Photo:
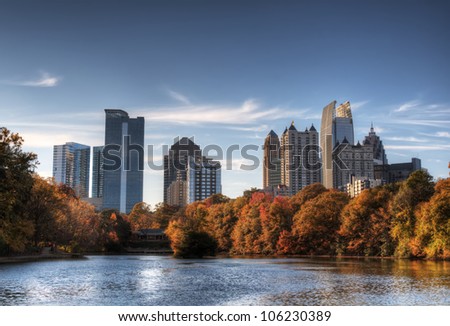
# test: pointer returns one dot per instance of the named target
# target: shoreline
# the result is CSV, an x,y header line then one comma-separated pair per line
x,y
37,258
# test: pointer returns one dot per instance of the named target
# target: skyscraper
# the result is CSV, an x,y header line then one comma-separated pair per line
x,y
379,154
71,165
337,125
97,172
123,167
272,163
300,165
189,176
176,163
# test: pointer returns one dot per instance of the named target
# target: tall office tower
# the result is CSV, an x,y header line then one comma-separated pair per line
x,y
351,161
300,165
71,165
203,179
97,172
176,162
189,176
379,155
337,125
272,162
123,166
380,162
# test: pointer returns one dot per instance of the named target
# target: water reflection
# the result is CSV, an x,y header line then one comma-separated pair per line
x,y
156,280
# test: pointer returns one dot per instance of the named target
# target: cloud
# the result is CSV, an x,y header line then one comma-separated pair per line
x,y
419,148
45,80
249,112
358,105
408,139
407,106
254,129
179,97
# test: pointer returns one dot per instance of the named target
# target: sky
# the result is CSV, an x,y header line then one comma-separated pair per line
x,y
226,73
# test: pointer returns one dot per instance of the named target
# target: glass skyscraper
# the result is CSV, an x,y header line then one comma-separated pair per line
x,y
336,128
123,166
97,172
71,164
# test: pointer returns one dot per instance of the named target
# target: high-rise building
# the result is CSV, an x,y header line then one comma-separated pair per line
x,y
123,166
203,179
97,172
351,161
189,176
379,154
71,165
337,125
272,162
300,164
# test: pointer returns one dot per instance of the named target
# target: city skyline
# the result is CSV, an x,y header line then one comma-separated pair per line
x,y
188,68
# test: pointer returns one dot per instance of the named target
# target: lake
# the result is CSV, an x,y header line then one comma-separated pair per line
x,y
163,280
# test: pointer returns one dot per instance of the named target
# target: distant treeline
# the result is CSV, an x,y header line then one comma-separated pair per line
x,y
408,219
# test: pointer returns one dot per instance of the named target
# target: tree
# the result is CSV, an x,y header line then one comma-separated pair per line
x,y
16,169
142,217
416,189
274,220
307,193
43,207
365,228
246,235
316,225
220,222
433,224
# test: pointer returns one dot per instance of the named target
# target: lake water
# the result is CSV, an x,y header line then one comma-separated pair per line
x,y
163,280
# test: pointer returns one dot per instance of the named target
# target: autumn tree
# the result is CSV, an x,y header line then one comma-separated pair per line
x,y
418,188
316,225
307,193
365,228
220,221
142,217
274,220
432,233
16,168
247,232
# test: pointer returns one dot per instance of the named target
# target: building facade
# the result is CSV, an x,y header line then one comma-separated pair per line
x,y
358,185
337,126
203,179
123,165
401,171
189,176
71,166
272,162
97,172
300,163
351,161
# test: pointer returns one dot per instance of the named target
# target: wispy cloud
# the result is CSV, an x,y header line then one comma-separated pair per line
x,y
418,147
45,80
179,97
260,128
407,139
407,106
249,112
438,134
358,105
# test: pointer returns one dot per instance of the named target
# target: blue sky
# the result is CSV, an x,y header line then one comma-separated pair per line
x,y
226,72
